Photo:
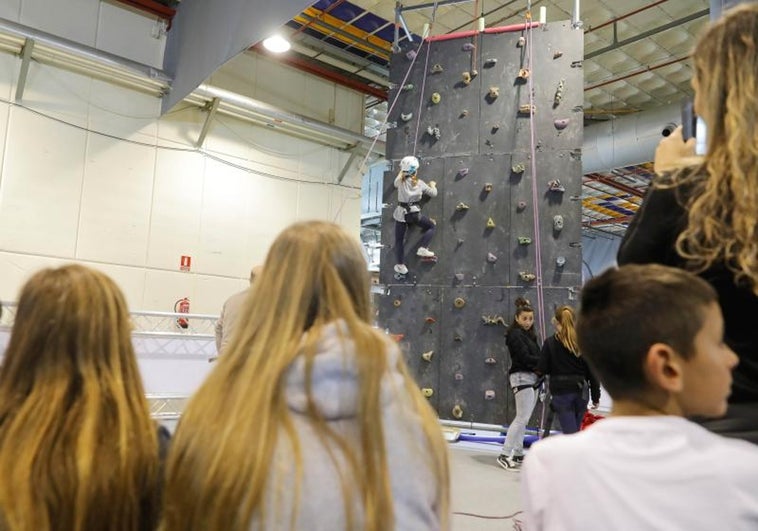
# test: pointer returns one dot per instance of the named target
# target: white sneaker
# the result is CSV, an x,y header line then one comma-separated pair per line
x,y
423,251
401,269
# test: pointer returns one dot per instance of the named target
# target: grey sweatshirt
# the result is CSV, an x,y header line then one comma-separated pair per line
x,y
336,394
408,193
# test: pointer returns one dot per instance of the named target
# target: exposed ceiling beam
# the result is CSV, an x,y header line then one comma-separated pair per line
x,y
154,8
312,67
625,15
636,73
645,34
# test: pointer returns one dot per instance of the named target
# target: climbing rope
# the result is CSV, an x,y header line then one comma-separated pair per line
x,y
383,126
423,79
535,189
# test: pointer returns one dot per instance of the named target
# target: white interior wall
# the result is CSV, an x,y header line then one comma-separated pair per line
x,y
90,174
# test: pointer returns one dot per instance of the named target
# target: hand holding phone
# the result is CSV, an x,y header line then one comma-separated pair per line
x,y
672,152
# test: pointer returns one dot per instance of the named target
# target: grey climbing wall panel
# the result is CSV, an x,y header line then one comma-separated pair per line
x,y
483,164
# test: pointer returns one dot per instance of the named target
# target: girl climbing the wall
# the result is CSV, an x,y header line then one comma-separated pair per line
x,y
525,353
410,189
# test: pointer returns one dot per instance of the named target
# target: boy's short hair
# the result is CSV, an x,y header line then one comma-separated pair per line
x,y
624,311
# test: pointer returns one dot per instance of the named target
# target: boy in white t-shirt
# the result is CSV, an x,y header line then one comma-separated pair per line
x,y
654,336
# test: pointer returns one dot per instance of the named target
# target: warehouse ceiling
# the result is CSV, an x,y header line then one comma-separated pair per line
x,y
636,58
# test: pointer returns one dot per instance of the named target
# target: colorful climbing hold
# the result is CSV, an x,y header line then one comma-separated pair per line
x,y
489,394
396,303
459,277
491,258
557,54
461,206
518,168
468,47
493,93
526,108
560,123
466,78
436,98
430,320
521,205
527,277
523,74
427,356
427,392
457,411
411,55
489,63
487,187
459,302
560,261
458,376
524,240
490,361
490,223
437,68
406,117
407,87
521,41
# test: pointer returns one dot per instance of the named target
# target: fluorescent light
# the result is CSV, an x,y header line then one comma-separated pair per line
x,y
276,44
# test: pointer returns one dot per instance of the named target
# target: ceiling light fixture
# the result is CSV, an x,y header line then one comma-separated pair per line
x,y
276,44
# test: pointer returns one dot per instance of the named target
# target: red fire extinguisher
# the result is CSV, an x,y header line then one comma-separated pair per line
x,y
182,306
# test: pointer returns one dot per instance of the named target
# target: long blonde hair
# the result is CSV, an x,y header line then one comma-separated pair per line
x,y
722,214
78,450
221,461
564,316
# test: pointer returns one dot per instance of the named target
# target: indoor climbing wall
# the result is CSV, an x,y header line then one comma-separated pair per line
x,y
464,109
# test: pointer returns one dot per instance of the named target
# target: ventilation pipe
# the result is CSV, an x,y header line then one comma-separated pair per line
x,y
627,140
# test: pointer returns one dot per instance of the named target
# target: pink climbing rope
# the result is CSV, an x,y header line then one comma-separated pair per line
x,y
421,97
535,189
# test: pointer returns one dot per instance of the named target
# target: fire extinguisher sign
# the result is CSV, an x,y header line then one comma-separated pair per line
x,y
185,263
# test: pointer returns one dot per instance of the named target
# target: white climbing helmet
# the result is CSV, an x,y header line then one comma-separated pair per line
x,y
409,164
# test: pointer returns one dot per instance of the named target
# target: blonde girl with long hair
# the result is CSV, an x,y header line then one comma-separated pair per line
x,y
570,376
78,450
310,421
703,217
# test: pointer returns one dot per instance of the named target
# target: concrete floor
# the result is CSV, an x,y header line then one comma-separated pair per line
x,y
481,487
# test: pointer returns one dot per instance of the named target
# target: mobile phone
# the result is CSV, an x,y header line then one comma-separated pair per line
x,y
689,120
693,127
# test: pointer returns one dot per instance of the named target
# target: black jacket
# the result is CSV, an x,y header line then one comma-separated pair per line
x,y
567,372
524,350
651,238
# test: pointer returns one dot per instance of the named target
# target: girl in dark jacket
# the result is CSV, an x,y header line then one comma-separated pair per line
x,y
569,373
524,350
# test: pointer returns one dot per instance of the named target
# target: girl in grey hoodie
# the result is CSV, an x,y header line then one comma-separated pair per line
x,y
310,421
